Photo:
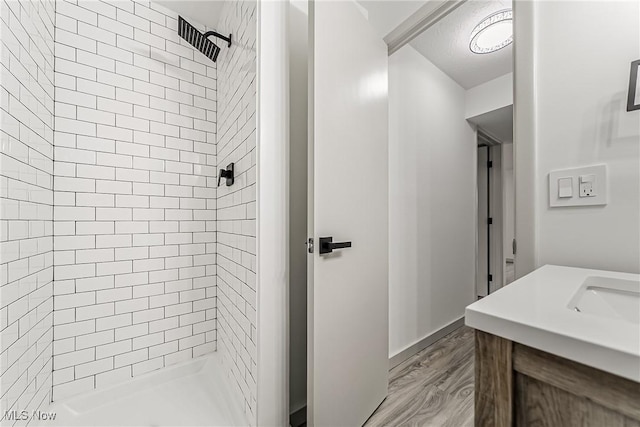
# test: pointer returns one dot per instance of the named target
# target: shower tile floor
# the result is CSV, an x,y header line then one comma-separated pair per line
x,y
194,393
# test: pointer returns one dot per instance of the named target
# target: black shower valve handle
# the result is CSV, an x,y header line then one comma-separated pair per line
x,y
227,174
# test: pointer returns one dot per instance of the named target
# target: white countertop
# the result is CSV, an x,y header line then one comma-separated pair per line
x,y
534,311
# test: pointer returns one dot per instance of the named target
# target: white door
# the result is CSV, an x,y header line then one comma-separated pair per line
x,y
348,201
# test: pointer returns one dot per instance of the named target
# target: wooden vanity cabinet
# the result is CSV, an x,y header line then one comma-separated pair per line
x,y
516,385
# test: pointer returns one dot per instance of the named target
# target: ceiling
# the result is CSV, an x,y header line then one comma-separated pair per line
x,y
497,123
446,44
198,11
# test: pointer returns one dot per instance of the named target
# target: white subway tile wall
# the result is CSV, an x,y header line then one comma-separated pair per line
x,y
236,247
26,205
135,194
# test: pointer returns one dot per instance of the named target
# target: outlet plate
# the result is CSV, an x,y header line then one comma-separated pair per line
x,y
589,186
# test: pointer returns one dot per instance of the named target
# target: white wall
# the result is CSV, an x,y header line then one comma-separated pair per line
x,y
135,158
580,118
432,152
489,96
236,205
298,78
26,204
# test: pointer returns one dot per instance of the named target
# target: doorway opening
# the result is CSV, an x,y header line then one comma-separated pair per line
x,y
495,246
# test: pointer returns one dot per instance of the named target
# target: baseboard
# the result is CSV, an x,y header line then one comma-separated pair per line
x,y
299,417
424,343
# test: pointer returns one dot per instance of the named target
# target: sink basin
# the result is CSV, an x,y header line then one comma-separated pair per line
x,y
608,297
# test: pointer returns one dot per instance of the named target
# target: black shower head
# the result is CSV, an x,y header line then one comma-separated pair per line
x,y
200,41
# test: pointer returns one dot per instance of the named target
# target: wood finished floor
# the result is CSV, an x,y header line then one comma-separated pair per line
x,y
432,388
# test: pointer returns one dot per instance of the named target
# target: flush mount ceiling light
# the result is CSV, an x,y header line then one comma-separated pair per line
x,y
493,33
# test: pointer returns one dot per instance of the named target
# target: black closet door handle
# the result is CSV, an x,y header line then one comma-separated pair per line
x,y
327,246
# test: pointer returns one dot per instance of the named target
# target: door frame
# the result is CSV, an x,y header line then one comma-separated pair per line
x,y
526,185
272,213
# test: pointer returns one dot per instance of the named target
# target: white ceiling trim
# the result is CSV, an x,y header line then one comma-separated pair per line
x,y
416,24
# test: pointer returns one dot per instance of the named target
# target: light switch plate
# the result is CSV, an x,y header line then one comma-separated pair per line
x,y
565,187
581,178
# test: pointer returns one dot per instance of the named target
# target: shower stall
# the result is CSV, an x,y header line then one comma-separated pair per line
x,y
128,290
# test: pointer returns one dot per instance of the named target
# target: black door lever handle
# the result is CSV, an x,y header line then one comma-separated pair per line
x,y
327,246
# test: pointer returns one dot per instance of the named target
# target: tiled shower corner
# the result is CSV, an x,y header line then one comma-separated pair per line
x,y
119,254
135,196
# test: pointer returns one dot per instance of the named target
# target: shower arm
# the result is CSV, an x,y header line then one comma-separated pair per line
x,y
218,35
